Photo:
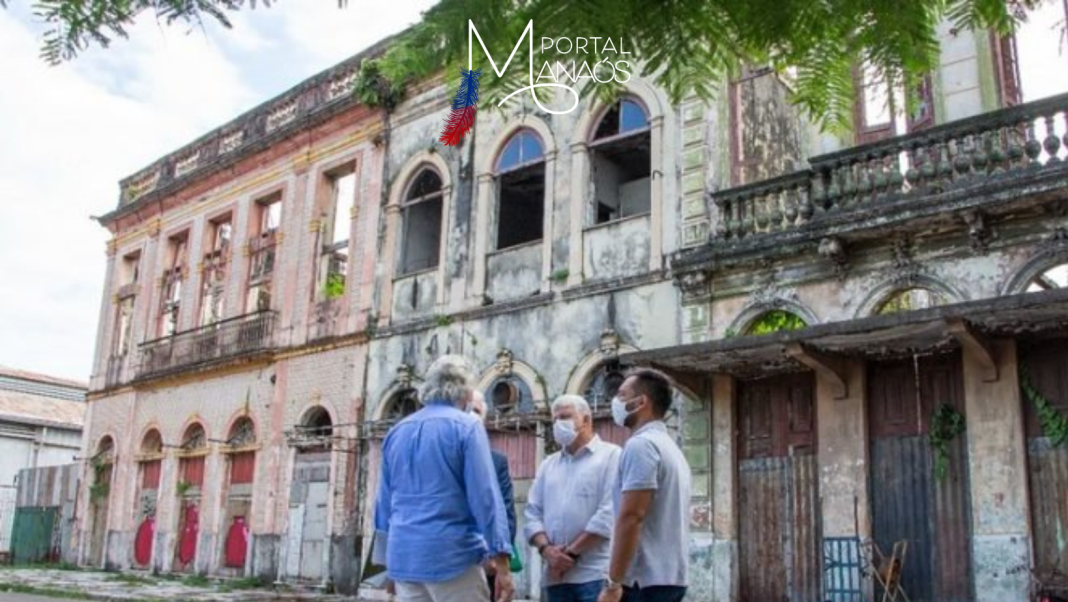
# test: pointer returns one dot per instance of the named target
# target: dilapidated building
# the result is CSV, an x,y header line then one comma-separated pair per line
x,y
825,303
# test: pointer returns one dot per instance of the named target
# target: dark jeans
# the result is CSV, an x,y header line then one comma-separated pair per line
x,y
574,592
655,593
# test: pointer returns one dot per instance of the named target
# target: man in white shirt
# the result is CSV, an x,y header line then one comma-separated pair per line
x,y
651,539
569,513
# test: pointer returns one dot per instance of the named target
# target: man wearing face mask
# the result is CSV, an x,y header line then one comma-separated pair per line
x,y
439,510
569,512
651,538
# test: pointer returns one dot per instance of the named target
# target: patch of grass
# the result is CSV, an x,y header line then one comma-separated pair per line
x,y
196,581
51,566
246,583
130,579
21,588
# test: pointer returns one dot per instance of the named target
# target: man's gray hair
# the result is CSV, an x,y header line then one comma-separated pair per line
x,y
449,378
576,402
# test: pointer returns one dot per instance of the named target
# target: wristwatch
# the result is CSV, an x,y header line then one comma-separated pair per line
x,y
611,584
541,548
573,555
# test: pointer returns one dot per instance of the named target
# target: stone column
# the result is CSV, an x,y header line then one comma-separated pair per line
x,y
656,193
484,197
997,461
696,415
547,221
724,488
580,164
842,433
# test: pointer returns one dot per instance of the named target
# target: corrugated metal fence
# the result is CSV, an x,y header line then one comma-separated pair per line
x,y
43,528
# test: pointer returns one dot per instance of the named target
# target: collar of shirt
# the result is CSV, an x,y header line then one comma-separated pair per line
x,y
591,446
655,425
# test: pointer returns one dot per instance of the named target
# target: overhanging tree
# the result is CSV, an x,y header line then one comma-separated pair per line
x,y
691,45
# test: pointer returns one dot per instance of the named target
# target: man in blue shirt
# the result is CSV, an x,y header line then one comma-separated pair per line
x,y
439,507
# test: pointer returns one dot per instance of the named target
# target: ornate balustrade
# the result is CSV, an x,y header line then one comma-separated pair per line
x,y
227,339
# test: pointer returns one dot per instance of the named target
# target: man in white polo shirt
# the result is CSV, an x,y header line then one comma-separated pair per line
x,y
650,542
569,510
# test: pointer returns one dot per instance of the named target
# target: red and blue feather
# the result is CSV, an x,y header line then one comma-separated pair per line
x,y
462,116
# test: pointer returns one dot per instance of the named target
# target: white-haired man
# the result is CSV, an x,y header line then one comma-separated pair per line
x,y
439,507
569,513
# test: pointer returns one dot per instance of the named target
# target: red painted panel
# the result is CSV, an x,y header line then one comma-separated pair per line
x,y
143,541
187,542
520,448
192,470
607,430
237,543
242,468
150,472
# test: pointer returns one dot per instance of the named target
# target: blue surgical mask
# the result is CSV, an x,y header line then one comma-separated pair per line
x,y
619,411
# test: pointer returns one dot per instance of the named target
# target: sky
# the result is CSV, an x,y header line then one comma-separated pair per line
x,y
68,134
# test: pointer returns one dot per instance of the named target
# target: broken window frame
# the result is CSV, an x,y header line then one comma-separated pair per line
x,y
900,108
409,206
598,145
171,285
333,257
262,253
521,165
215,268
126,297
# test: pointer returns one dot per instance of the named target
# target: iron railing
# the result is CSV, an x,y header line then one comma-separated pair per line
x,y
913,167
227,339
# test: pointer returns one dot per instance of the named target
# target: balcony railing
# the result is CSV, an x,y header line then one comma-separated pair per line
x,y
228,339
976,151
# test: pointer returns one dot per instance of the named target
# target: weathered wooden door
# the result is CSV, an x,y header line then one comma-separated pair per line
x,y
1047,366
778,490
909,502
309,508
100,502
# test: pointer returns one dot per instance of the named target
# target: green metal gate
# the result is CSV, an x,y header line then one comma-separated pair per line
x,y
32,535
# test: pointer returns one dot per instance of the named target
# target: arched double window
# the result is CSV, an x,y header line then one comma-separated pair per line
x,y
620,159
422,208
1049,279
520,176
775,320
910,299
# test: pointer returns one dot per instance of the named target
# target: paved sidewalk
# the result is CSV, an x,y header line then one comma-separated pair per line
x,y
137,586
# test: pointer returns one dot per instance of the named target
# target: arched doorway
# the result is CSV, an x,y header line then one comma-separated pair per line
x,y
241,452
150,466
602,387
308,537
102,467
192,455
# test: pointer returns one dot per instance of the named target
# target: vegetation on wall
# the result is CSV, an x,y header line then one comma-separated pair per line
x,y
1054,423
776,320
946,425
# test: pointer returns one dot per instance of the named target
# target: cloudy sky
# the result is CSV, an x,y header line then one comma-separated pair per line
x,y
69,133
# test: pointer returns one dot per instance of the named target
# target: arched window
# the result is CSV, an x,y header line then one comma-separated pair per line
x,y
910,299
317,422
422,222
508,395
620,162
776,320
242,433
1053,278
105,450
520,171
194,437
401,404
152,442
604,385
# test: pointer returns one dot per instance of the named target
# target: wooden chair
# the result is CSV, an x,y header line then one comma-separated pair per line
x,y
887,569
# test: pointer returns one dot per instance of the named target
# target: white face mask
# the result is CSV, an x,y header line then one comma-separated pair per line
x,y
564,432
619,411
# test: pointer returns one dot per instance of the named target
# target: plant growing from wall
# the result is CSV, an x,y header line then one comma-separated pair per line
x,y
100,488
560,276
1054,423
444,320
376,88
946,425
334,286
776,320
183,488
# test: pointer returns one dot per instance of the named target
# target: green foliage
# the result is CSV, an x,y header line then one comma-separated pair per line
x,y
1054,423
776,320
946,425
196,581
375,87
560,276
334,286
443,320
22,588
183,488
687,45
730,333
